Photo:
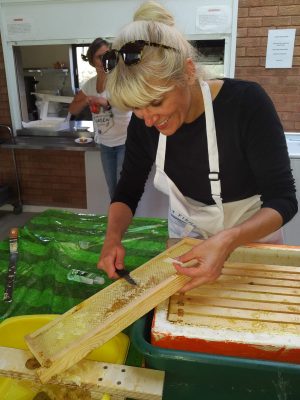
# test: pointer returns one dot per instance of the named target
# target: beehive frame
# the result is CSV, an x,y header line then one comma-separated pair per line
x,y
255,305
64,341
87,379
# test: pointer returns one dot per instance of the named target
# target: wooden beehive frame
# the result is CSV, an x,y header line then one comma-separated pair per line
x,y
88,378
267,296
70,337
256,299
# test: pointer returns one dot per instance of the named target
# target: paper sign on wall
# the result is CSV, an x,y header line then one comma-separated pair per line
x,y
19,27
214,19
280,48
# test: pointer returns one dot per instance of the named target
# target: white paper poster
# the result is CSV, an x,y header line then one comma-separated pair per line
x,y
19,28
280,49
214,19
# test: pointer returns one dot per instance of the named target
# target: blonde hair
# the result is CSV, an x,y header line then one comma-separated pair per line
x,y
159,70
153,11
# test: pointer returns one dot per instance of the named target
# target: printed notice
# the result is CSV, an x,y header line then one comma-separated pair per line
x,y
280,49
213,19
19,27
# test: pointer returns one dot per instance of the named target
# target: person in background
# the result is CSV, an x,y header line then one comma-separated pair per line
x,y
110,124
218,145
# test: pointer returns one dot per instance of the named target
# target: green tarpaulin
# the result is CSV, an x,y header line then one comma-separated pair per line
x,y
54,242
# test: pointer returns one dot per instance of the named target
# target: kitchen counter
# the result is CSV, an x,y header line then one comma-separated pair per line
x,y
61,137
51,142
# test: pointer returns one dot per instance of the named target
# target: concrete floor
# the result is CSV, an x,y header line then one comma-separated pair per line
x,y
9,220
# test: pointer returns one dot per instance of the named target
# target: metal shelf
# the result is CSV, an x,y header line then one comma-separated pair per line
x,y
47,70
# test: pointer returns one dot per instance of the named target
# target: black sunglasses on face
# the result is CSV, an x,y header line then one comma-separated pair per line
x,y
131,53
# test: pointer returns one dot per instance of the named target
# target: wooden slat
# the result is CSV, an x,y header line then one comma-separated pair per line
x,y
263,272
263,267
70,337
196,301
233,324
221,293
255,288
94,377
259,281
237,313
260,253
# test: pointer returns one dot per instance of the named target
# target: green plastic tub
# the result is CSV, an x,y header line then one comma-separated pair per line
x,y
199,376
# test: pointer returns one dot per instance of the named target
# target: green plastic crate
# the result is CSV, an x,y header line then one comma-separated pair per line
x,y
199,376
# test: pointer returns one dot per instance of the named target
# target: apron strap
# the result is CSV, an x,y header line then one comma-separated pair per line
x,y
161,151
213,153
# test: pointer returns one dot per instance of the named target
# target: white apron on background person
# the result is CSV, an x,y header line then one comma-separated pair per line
x,y
188,217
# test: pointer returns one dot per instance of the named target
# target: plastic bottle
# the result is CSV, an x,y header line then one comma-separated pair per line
x,y
85,277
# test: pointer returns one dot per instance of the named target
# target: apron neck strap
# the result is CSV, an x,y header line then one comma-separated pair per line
x,y
213,154
212,144
161,151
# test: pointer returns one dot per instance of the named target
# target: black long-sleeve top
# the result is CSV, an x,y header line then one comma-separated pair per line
x,y
252,148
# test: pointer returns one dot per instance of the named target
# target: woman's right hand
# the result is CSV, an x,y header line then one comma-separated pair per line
x,y
96,102
111,258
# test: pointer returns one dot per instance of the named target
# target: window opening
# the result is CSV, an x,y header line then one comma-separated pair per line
x,y
210,56
83,71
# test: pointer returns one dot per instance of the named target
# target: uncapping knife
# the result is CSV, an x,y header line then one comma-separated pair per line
x,y
11,273
123,273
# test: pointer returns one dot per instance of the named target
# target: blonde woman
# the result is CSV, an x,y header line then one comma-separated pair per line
x,y
218,146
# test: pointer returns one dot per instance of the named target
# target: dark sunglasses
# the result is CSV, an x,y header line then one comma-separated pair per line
x,y
131,53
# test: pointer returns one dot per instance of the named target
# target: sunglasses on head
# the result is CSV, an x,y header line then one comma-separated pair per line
x,y
131,53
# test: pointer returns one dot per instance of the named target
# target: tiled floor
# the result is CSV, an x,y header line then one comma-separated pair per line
x,y
9,220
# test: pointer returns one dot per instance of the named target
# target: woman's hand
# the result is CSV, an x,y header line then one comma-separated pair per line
x,y
213,252
96,102
111,258
211,255
113,253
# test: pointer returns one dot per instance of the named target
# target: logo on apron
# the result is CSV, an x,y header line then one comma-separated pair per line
x,y
180,217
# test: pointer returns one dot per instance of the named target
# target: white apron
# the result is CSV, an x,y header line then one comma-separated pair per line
x,y
188,217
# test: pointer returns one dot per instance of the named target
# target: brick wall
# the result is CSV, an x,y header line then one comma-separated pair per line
x,y
47,177
255,18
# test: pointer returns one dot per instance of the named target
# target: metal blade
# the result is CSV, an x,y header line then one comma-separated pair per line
x,y
10,278
12,265
123,273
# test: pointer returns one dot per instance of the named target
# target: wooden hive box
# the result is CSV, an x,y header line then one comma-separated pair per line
x,y
252,310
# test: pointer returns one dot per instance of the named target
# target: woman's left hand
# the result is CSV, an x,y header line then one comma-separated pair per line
x,y
213,252
211,255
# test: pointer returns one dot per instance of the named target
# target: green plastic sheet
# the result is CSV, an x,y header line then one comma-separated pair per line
x,y
54,242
